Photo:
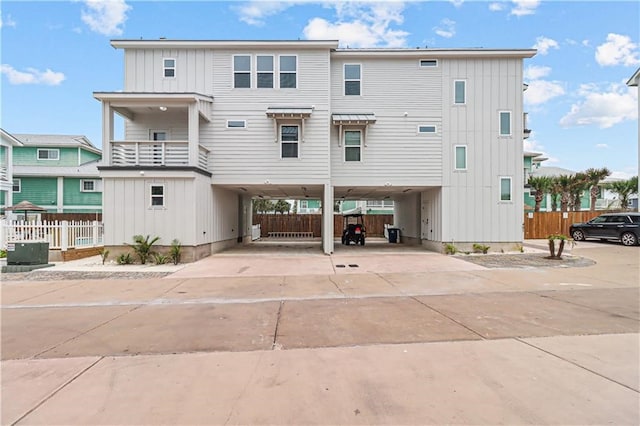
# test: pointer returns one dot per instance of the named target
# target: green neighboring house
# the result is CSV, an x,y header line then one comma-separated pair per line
x,y
57,172
367,207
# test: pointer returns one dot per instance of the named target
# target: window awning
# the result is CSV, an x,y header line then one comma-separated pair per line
x,y
289,112
361,118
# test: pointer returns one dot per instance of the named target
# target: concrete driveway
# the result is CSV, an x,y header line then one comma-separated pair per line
x,y
394,340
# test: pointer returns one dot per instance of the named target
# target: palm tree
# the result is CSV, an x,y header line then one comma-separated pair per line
x,y
563,183
554,191
541,185
578,185
624,189
594,176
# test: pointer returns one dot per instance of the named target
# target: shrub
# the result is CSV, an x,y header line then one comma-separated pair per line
x,y
142,247
3,254
552,245
104,254
480,248
175,252
124,259
450,249
160,258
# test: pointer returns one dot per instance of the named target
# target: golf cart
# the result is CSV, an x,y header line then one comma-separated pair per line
x,y
353,229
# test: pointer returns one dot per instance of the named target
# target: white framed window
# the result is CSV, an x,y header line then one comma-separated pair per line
x,y
169,67
505,123
89,185
48,154
352,145
427,128
157,194
505,188
158,135
304,204
17,185
288,71
289,140
264,66
352,79
460,157
459,92
428,63
242,71
236,124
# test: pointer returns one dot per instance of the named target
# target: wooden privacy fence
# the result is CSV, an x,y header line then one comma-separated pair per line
x,y
312,223
542,224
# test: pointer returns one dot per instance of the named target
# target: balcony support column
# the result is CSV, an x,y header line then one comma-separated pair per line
x,y
194,134
107,132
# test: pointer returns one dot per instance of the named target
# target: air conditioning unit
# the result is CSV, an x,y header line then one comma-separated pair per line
x,y
28,253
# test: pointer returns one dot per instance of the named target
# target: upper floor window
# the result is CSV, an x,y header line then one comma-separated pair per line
x,y
427,128
352,145
505,123
428,63
48,154
169,67
265,71
304,204
461,157
289,138
505,189
157,195
89,185
242,71
352,79
288,72
236,124
17,185
459,92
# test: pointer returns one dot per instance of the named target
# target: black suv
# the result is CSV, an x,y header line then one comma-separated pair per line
x,y
624,227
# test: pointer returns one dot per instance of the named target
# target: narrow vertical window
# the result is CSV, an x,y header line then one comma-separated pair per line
x,y
17,185
505,123
265,72
157,195
289,141
460,92
242,71
288,72
352,79
169,67
352,145
461,157
505,189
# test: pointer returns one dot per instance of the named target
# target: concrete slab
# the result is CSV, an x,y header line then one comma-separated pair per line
x,y
324,323
352,285
226,288
105,291
485,382
500,315
404,262
178,328
614,356
435,283
19,291
27,332
622,302
27,383
310,286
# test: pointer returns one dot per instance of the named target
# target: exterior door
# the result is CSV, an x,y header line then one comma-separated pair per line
x,y
426,227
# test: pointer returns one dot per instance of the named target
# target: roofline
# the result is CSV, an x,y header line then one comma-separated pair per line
x,y
11,138
142,96
437,53
198,44
88,146
635,79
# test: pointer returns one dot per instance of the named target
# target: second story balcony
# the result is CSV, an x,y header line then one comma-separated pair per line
x,y
169,153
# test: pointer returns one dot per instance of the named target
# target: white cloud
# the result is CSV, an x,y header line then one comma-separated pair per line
x,y
541,91
255,12
446,29
105,16
603,107
531,145
457,3
525,7
6,21
362,24
602,145
496,7
585,43
543,44
618,50
32,76
534,72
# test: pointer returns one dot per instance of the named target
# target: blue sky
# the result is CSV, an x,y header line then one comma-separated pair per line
x,y
56,54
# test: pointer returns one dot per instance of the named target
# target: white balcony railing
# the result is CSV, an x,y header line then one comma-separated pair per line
x,y
4,175
155,153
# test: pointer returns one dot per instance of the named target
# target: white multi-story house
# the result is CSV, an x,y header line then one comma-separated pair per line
x,y
7,142
210,124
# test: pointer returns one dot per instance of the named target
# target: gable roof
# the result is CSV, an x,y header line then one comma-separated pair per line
x,y
551,171
57,141
9,139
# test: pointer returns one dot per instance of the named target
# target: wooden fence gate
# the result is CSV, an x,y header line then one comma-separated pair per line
x,y
542,224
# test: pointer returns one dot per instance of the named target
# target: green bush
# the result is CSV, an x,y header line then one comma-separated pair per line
x,y
175,252
450,249
3,254
104,254
480,248
160,259
124,259
142,247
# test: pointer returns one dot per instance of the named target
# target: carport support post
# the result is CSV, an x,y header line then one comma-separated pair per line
x,y
327,219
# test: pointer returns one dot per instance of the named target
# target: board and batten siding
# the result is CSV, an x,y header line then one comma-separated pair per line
x,y
471,197
402,96
252,155
144,70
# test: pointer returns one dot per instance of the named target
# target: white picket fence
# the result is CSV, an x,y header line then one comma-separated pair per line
x,y
61,235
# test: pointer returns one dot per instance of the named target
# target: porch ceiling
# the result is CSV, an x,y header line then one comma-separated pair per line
x,y
374,192
299,192
128,104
